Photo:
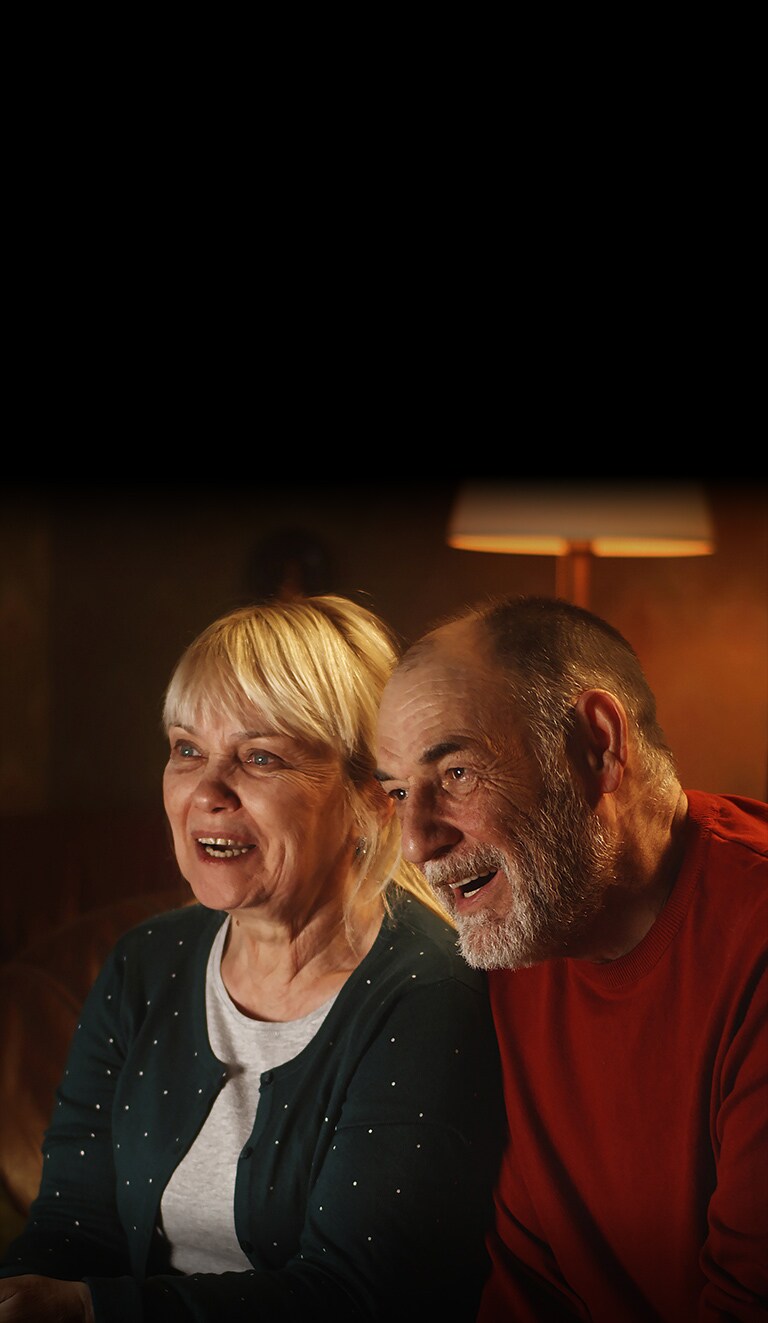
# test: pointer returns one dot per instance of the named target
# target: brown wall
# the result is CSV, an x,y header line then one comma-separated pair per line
x,y
100,589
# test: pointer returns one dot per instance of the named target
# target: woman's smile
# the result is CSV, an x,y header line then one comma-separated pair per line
x,y
221,847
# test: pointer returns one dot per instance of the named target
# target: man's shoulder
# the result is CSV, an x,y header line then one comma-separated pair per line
x,y
732,819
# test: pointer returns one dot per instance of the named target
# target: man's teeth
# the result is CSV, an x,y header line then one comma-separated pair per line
x,y
220,847
469,886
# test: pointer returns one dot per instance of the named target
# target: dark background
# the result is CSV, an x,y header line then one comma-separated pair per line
x,y
102,586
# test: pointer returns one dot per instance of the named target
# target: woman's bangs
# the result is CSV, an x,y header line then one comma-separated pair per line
x,y
206,690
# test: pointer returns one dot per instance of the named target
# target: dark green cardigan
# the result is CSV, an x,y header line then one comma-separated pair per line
x,y
365,1187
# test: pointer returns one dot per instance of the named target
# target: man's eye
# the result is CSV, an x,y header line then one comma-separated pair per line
x,y
398,793
458,780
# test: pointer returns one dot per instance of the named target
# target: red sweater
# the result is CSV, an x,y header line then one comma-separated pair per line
x,y
634,1186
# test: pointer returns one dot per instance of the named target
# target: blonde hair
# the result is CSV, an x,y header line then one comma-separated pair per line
x,y
316,667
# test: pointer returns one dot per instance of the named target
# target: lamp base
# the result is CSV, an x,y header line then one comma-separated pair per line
x,y
572,574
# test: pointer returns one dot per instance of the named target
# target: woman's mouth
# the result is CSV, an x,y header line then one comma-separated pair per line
x,y
221,847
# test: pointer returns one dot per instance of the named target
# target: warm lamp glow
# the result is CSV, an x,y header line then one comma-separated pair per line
x,y
630,519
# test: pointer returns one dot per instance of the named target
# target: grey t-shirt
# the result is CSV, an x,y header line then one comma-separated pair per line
x,y
197,1208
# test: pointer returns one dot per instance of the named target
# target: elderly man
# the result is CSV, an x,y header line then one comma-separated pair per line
x,y
624,925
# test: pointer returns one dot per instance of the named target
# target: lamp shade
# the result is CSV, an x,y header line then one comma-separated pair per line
x,y
627,519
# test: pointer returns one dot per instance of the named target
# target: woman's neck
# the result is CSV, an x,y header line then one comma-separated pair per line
x,y
274,971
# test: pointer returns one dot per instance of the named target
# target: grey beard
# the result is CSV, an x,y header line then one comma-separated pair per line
x,y
558,875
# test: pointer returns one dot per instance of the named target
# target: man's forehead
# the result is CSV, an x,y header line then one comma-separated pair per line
x,y
450,697
460,642
445,668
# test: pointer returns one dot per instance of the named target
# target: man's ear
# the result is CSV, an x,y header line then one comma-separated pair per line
x,y
599,743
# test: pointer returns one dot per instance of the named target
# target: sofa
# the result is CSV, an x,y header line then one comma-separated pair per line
x,y
71,885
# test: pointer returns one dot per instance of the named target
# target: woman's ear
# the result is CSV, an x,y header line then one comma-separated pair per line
x,y
600,741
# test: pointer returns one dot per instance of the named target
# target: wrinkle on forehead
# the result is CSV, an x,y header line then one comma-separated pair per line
x,y
445,696
455,659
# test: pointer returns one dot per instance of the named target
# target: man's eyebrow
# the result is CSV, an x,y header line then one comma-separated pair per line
x,y
438,751
431,755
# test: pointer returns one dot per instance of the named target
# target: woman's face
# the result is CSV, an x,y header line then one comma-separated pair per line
x,y
260,820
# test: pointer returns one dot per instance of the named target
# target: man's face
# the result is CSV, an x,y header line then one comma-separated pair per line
x,y
513,853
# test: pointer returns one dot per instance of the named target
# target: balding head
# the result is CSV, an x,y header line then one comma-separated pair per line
x,y
548,651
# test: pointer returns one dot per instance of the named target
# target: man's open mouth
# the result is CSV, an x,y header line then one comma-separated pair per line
x,y
471,885
221,847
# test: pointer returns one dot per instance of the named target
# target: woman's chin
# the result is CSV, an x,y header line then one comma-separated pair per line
x,y
218,893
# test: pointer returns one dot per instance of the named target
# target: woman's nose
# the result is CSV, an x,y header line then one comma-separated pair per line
x,y
214,789
426,833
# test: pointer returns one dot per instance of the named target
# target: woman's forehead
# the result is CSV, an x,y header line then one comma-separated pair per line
x,y
196,709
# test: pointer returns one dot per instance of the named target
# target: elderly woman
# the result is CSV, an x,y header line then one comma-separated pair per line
x,y
282,1101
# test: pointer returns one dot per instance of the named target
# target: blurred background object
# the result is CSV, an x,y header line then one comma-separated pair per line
x,y
101,587
575,522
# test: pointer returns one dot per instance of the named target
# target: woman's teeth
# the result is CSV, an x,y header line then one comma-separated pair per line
x,y
220,847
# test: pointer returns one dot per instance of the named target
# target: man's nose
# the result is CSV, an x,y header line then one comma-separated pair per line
x,y
426,832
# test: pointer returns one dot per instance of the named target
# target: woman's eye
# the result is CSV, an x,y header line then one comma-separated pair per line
x,y
186,750
258,758
397,794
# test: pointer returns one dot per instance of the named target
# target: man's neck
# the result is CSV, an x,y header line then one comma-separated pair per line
x,y
649,860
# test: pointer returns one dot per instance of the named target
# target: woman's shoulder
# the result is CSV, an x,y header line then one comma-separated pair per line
x,y
173,943
186,924
414,930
